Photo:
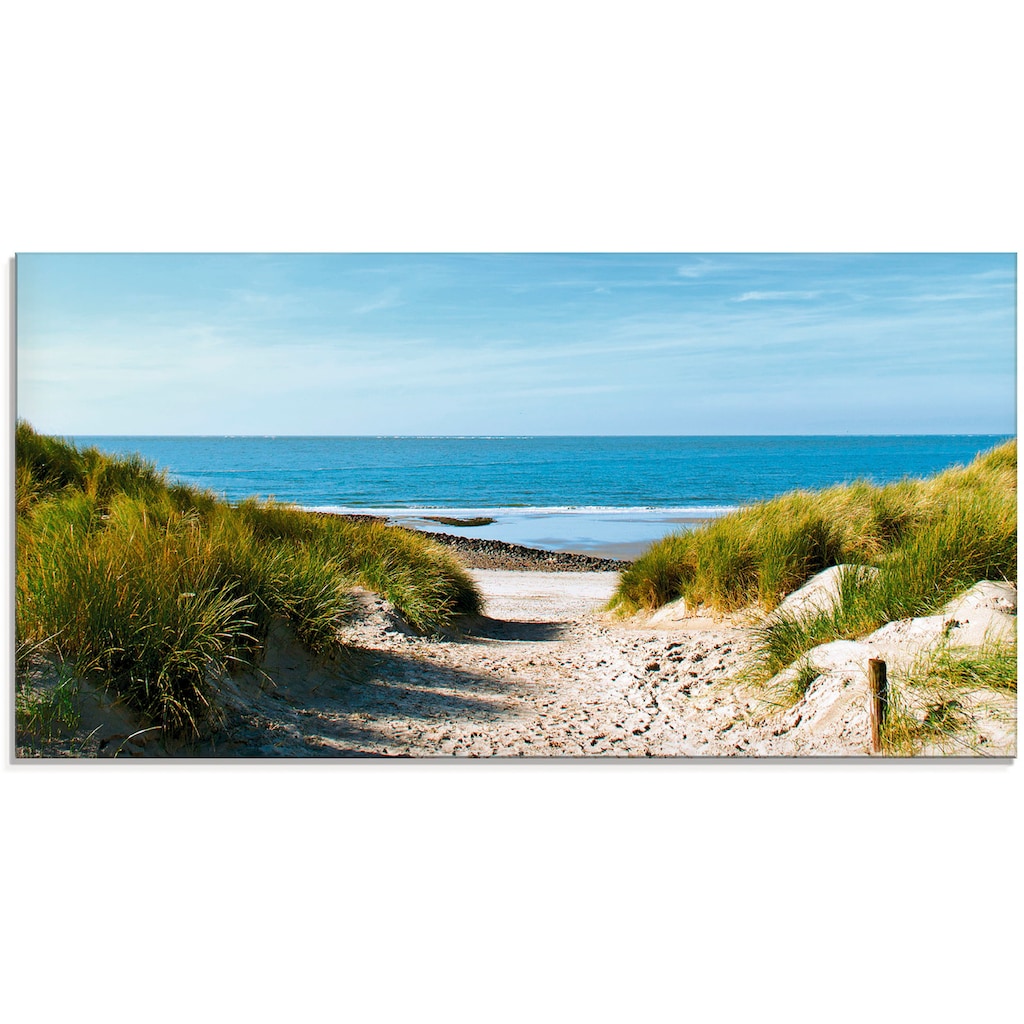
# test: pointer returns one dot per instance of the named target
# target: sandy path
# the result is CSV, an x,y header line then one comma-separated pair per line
x,y
545,674
550,597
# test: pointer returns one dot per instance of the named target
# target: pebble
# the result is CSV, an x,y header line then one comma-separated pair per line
x,y
476,553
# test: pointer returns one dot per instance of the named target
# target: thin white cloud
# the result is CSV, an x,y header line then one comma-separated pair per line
x,y
951,297
698,269
775,296
569,390
995,275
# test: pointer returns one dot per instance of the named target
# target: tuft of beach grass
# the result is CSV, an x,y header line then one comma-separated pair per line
x,y
934,704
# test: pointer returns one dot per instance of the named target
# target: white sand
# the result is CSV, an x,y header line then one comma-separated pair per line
x,y
548,596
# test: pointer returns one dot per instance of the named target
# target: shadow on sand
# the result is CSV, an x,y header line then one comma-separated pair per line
x,y
365,701
484,628
341,703
332,709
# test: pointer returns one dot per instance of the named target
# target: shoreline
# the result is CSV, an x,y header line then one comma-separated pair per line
x,y
482,553
499,554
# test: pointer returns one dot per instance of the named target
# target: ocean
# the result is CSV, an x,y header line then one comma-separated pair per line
x,y
611,495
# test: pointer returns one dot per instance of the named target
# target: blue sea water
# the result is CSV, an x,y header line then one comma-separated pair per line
x,y
615,494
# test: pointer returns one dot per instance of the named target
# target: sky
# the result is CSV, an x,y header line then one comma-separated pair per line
x,y
516,344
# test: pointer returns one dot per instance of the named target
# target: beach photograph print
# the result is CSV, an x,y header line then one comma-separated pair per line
x,y
574,506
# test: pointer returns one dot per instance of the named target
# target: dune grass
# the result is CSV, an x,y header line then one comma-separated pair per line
x,y
44,713
419,577
935,705
159,589
788,689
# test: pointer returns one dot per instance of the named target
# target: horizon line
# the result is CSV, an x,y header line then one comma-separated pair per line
x,y
519,436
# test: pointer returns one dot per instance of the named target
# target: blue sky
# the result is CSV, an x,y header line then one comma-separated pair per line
x,y
517,344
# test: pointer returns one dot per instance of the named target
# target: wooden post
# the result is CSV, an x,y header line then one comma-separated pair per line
x,y
878,688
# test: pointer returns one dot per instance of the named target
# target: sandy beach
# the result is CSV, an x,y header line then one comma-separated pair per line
x,y
548,673
545,673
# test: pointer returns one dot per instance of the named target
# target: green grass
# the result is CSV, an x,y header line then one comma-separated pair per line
x,y
941,560
131,601
864,602
934,704
424,581
789,689
46,713
158,590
